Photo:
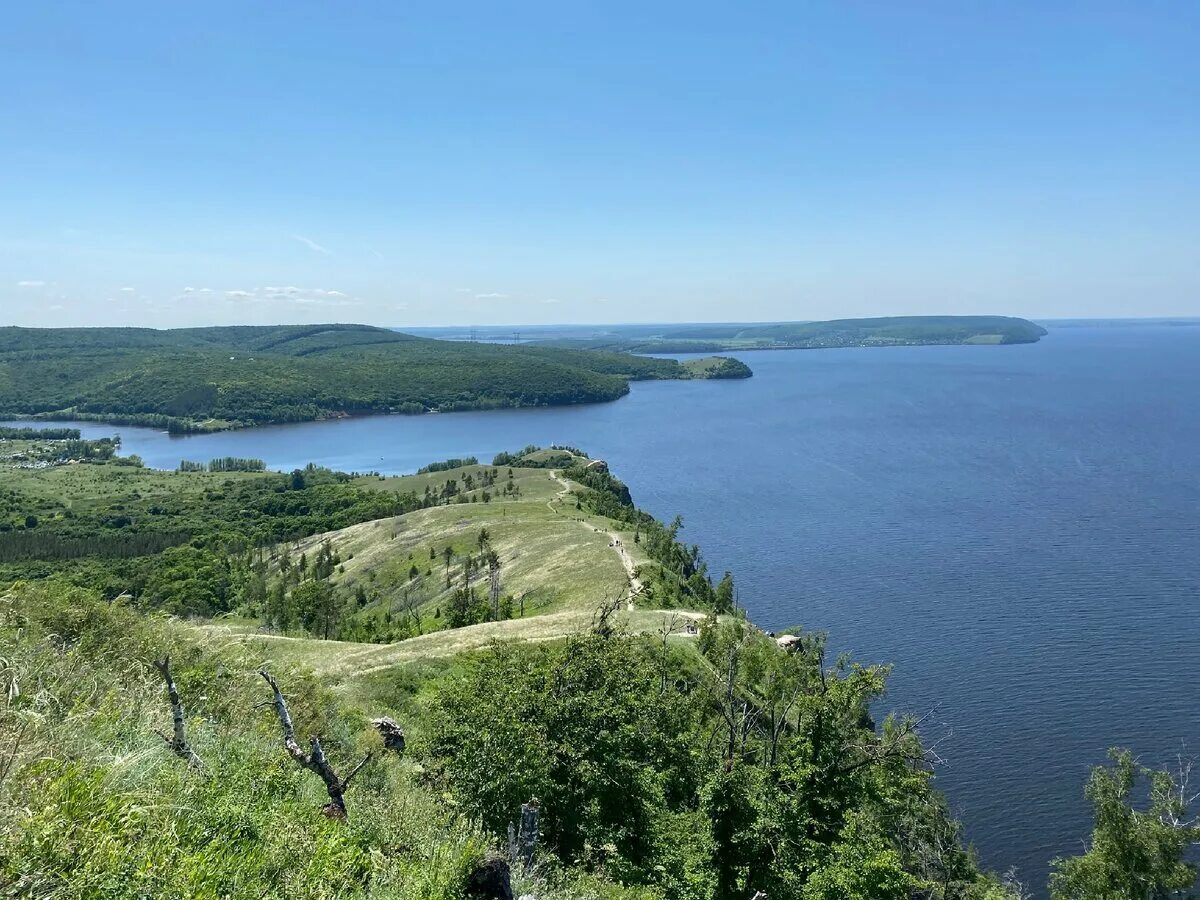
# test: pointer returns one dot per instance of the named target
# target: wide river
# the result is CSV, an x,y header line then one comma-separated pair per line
x,y
1016,528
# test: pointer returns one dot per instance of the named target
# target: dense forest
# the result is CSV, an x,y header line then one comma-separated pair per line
x,y
206,378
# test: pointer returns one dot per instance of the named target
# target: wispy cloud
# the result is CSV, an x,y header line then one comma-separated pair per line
x,y
491,296
310,244
552,300
291,294
375,253
464,291
128,290
31,283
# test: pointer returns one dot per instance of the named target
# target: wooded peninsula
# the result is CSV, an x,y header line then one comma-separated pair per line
x,y
207,379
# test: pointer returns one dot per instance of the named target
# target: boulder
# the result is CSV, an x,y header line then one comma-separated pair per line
x,y
491,879
392,733
789,642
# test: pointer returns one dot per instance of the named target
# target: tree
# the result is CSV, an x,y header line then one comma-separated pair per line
x,y
461,609
724,597
583,726
317,606
1134,854
279,609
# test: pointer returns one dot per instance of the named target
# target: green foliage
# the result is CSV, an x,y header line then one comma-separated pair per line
x,y
584,727
756,770
716,367
1134,854
447,465
93,804
534,457
205,378
196,549
9,433
224,464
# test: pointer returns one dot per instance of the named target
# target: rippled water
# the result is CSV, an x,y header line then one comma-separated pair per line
x,y
1016,528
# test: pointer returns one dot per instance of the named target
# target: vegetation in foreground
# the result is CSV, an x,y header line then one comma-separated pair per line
x,y
196,379
711,763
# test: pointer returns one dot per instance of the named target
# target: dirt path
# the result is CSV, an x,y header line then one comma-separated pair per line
x,y
614,541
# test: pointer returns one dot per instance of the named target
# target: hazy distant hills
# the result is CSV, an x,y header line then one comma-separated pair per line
x,y
714,337
879,332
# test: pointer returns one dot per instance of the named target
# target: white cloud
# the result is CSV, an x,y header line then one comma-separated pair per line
x,y
463,291
310,244
188,290
552,300
205,291
375,253
128,290
491,296
400,307
55,307
601,299
292,294
31,284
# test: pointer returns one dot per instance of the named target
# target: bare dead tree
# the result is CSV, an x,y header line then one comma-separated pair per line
x,y
602,619
315,760
1015,887
523,838
493,561
1180,796
178,741
668,628
901,744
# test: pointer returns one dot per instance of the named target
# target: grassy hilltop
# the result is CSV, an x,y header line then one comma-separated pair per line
x,y
208,378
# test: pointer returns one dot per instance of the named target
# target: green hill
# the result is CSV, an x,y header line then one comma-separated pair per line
x,y
878,332
546,648
532,633
208,378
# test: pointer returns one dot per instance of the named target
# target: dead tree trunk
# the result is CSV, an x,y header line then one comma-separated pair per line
x,y
178,742
314,760
494,585
523,839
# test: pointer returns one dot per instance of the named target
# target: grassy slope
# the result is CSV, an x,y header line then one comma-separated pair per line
x,y
561,560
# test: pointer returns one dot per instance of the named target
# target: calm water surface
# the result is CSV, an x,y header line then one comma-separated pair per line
x,y
1016,528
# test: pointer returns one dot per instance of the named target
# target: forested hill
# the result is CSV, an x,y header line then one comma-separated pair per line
x,y
889,331
208,378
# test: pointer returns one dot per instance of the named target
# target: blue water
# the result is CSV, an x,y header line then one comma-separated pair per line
x,y
1017,529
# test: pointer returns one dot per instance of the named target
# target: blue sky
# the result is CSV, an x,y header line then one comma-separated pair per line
x,y
179,164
